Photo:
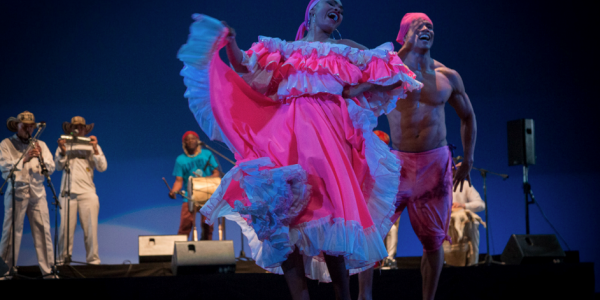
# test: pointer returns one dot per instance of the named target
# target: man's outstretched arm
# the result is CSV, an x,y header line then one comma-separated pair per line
x,y
468,126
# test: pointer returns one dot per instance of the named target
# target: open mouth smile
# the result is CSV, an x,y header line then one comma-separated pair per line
x,y
333,16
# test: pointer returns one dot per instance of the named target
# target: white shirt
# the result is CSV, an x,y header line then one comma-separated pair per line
x,y
469,197
82,162
29,181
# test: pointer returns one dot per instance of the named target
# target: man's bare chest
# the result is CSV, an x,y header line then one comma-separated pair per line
x,y
436,89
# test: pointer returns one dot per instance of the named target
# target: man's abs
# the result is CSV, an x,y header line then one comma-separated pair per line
x,y
418,123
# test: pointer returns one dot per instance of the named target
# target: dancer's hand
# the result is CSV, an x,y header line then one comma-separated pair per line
x,y
353,91
231,36
462,174
412,34
234,53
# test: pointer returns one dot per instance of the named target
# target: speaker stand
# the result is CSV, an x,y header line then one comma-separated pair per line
x,y
527,191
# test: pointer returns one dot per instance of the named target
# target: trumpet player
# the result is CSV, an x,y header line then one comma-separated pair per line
x,y
29,192
78,192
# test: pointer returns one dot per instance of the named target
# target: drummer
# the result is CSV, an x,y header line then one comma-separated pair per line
x,y
195,162
468,198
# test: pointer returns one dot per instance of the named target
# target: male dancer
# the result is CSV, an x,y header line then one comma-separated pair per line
x,y
30,194
195,161
79,184
418,131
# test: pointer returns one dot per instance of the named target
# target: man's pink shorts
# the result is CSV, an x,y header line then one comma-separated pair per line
x,y
426,189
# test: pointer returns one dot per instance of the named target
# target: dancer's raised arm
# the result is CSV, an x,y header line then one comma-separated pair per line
x,y
234,54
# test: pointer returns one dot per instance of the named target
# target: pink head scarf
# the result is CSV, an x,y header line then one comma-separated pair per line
x,y
405,24
304,25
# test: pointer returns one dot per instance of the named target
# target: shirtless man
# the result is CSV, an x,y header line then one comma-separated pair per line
x,y
418,132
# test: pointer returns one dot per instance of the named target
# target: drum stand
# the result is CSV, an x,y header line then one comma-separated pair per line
x,y
488,257
242,255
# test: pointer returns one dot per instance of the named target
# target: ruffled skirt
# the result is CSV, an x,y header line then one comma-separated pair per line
x,y
310,173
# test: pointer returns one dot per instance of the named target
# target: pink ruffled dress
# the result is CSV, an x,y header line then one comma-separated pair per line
x,y
310,172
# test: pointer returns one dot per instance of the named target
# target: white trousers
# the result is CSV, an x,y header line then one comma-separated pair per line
x,y
88,206
391,240
39,220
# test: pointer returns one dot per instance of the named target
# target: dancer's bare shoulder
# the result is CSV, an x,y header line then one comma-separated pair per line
x,y
437,64
453,78
352,44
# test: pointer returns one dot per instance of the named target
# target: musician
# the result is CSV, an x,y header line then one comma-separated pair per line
x,y
468,198
30,194
195,161
78,192
464,227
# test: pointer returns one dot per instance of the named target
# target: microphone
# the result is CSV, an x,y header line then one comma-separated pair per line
x,y
201,143
75,131
40,124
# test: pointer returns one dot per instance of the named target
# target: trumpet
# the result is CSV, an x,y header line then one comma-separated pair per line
x,y
39,157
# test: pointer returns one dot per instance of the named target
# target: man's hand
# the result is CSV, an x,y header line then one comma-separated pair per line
x,y
458,206
94,143
173,194
62,144
412,34
35,152
463,173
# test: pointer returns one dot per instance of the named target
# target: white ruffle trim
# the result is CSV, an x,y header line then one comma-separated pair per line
x,y
266,221
384,168
196,55
356,56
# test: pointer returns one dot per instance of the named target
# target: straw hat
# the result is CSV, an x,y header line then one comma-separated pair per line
x,y
25,117
77,120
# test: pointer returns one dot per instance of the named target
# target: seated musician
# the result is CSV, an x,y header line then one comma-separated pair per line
x,y
464,227
195,161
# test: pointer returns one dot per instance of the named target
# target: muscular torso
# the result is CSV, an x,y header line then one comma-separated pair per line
x,y
418,123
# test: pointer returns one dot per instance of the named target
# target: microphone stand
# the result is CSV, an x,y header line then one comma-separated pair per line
x,y
242,255
66,194
488,257
13,272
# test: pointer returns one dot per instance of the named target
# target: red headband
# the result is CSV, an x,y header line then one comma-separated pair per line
x,y
188,133
405,24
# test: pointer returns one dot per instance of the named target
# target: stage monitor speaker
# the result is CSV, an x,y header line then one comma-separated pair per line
x,y
532,249
521,142
203,257
157,248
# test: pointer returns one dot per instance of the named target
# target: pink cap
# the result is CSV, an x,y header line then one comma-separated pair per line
x,y
405,24
304,25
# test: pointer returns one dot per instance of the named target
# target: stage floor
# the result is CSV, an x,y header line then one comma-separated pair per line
x,y
155,281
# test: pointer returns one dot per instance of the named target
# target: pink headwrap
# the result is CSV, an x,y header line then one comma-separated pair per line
x,y
304,25
405,24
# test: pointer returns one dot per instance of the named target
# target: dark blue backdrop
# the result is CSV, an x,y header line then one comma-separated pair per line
x,y
113,62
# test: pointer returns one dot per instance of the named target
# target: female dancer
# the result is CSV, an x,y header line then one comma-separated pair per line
x,y
313,188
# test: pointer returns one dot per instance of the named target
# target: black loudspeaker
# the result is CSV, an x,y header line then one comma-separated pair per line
x,y
532,249
521,142
157,248
203,257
